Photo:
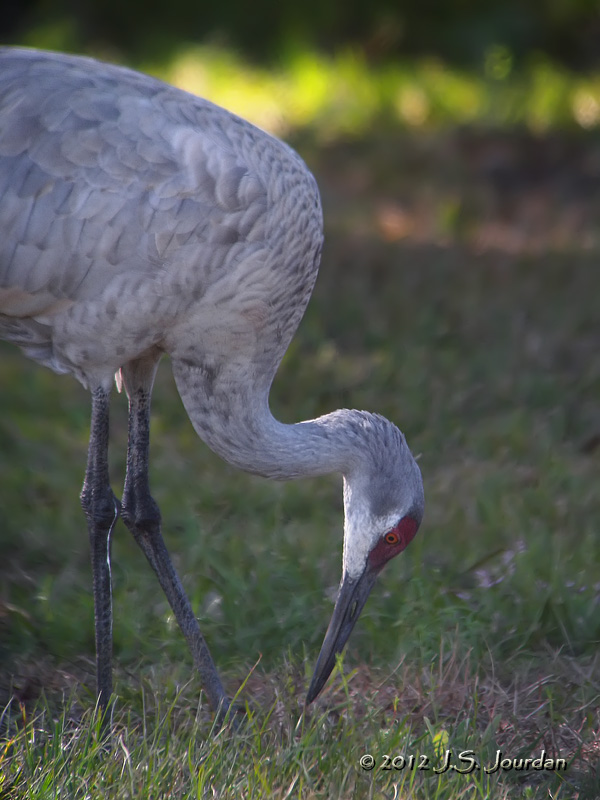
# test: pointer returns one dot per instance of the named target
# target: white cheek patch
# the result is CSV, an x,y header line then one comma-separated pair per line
x,y
357,542
362,531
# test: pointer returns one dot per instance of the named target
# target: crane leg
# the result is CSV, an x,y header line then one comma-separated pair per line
x,y
142,517
101,509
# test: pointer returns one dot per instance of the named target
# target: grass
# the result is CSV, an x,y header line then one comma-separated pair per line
x,y
458,296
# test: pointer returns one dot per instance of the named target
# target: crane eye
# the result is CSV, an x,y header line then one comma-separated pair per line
x,y
391,537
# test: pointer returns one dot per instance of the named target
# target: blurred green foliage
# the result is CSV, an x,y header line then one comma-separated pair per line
x,y
346,93
343,94
462,33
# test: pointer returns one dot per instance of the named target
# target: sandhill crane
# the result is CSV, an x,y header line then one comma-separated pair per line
x,y
138,220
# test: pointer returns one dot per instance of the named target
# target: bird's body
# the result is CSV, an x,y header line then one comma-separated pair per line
x,y
131,209
138,220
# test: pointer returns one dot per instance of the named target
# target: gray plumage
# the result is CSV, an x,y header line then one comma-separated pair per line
x,y
138,220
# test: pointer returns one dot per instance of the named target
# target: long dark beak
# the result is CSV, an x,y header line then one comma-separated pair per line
x,y
350,602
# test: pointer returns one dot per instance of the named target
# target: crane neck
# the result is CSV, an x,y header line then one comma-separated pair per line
x,y
237,424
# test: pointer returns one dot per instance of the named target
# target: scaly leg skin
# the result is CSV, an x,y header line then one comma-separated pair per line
x,y
101,509
142,517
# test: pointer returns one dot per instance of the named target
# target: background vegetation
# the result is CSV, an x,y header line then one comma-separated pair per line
x,y
459,164
567,31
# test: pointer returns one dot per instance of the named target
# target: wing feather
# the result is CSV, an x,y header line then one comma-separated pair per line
x,y
117,190
104,164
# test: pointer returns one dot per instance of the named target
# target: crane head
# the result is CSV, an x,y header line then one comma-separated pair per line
x,y
384,505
